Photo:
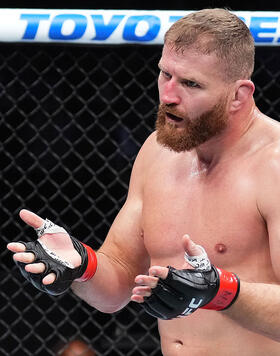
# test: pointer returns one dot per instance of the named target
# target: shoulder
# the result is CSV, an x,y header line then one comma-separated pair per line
x,y
269,159
150,143
268,179
264,159
149,150
267,142
268,162
145,158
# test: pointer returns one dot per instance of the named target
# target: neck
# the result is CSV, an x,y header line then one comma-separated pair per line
x,y
230,141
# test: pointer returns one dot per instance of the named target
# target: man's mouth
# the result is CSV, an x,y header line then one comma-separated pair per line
x,y
173,117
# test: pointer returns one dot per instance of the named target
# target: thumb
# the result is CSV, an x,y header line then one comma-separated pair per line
x,y
190,247
31,219
195,255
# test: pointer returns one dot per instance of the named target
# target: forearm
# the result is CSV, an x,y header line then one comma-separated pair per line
x,y
110,288
257,309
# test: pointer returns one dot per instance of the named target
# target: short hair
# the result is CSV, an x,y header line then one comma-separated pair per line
x,y
216,31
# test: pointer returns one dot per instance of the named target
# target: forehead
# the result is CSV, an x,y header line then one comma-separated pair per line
x,y
189,62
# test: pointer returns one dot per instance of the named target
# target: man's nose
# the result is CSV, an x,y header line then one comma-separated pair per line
x,y
169,93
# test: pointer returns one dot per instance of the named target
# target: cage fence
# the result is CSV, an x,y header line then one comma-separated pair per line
x,y
72,121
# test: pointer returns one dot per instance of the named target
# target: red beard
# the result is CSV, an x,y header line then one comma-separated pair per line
x,y
195,132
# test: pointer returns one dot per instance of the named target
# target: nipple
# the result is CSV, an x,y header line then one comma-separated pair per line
x,y
221,248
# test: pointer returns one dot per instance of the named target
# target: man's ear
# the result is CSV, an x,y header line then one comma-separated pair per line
x,y
243,91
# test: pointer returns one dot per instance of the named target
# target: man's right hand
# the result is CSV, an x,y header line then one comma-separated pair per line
x,y
55,259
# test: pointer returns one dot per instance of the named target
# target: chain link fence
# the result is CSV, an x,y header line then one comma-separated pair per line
x,y
72,121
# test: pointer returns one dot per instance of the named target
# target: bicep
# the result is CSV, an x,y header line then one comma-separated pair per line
x,y
124,244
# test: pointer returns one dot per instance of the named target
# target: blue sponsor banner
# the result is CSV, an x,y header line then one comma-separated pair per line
x,y
115,26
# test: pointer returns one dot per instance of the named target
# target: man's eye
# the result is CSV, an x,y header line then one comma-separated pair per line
x,y
166,74
191,84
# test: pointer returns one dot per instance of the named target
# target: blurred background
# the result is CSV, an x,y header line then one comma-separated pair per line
x,y
72,121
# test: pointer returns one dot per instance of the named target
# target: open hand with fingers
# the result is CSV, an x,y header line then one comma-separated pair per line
x,y
55,259
167,292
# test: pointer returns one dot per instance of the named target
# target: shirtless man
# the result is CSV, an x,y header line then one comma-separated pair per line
x,y
211,170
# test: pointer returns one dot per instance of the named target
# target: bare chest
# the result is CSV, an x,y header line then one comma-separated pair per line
x,y
218,212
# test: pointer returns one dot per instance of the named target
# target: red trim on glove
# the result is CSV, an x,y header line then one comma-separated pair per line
x,y
91,267
228,291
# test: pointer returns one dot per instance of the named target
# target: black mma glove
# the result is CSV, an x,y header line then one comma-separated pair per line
x,y
186,290
65,273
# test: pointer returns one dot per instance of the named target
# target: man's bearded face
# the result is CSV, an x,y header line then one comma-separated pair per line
x,y
194,131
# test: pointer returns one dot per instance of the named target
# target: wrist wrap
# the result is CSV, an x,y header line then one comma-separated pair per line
x,y
227,293
91,264
184,291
